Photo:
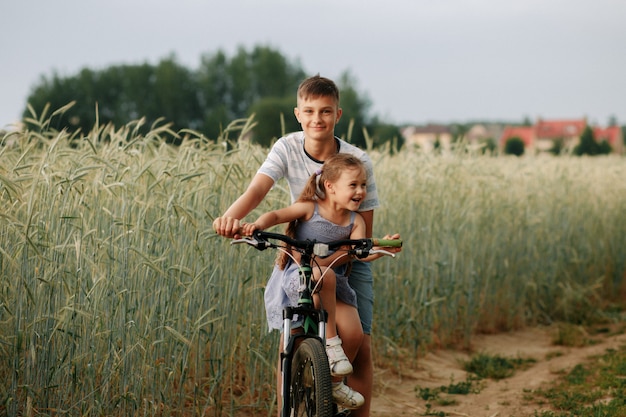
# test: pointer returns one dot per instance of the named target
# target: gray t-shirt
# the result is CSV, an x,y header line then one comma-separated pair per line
x,y
287,159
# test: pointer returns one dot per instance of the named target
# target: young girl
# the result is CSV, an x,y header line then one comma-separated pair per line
x,y
325,211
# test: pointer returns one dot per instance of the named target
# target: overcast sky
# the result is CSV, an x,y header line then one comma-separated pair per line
x,y
418,61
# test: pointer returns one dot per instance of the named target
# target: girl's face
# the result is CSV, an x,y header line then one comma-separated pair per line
x,y
350,189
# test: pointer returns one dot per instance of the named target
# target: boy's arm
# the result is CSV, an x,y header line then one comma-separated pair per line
x,y
228,224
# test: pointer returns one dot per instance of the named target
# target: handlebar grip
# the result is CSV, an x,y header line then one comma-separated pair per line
x,y
389,243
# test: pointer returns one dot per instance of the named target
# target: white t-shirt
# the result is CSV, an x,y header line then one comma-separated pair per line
x,y
288,159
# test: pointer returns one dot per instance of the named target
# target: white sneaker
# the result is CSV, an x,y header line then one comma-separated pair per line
x,y
337,359
346,397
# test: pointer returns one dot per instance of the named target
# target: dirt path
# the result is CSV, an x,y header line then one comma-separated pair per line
x,y
396,395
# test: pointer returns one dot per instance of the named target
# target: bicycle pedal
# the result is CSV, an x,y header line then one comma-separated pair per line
x,y
343,413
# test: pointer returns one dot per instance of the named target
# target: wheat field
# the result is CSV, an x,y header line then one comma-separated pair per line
x,y
117,298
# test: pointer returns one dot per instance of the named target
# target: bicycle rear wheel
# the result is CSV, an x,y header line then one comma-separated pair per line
x,y
311,384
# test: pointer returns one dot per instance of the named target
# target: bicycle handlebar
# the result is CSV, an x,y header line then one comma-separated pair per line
x,y
360,247
387,243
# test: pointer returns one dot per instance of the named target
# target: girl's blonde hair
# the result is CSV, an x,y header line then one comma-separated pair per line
x,y
315,188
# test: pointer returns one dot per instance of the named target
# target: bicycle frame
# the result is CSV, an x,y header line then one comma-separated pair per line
x,y
314,320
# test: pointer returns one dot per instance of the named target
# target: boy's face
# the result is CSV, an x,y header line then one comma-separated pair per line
x,y
318,116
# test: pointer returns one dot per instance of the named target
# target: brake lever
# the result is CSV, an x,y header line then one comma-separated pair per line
x,y
364,253
260,244
246,239
384,252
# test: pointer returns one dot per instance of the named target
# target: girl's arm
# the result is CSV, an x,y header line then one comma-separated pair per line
x,y
298,210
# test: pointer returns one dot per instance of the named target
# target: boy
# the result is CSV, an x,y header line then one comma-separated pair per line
x,y
295,157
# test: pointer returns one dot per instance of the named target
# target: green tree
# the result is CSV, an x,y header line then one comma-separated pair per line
x,y
274,117
557,146
120,94
57,91
231,87
222,89
355,108
605,148
490,146
514,146
174,88
589,146
459,131
382,133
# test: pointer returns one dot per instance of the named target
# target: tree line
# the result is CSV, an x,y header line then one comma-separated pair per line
x,y
259,81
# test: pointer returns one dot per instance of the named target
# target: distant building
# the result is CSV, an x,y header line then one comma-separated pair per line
x,y
545,136
613,135
481,132
563,134
427,137
525,133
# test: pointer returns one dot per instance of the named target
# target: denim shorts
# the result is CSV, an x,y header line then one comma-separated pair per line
x,y
362,282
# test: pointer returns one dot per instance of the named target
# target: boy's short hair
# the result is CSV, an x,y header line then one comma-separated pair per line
x,y
316,86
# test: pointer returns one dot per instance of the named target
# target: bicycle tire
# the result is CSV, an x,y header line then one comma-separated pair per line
x,y
311,383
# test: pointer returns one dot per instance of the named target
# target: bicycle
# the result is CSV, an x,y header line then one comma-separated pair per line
x,y
305,373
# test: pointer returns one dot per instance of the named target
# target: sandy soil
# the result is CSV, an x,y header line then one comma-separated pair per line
x,y
396,391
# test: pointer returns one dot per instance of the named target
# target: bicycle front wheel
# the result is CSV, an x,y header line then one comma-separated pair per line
x,y
311,384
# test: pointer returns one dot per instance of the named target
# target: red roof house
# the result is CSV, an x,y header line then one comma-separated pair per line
x,y
547,135
613,135
559,129
564,134
525,133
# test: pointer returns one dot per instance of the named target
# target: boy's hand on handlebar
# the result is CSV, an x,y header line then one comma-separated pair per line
x,y
390,249
227,227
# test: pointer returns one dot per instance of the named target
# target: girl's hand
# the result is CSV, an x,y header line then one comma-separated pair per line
x,y
247,229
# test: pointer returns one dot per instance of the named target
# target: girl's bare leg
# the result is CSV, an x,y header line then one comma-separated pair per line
x,y
326,297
